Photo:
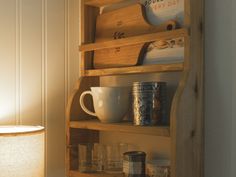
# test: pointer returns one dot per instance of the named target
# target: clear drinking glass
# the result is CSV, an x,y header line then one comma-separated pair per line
x,y
91,157
86,163
114,157
99,156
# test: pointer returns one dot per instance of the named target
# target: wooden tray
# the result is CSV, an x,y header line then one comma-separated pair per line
x,y
125,22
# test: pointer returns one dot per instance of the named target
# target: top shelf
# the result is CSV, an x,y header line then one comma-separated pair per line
x,y
101,3
135,40
156,68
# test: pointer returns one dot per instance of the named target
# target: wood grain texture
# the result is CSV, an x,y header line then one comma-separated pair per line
x,y
136,70
87,20
125,127
187,107
141,39
122,23
73,43
126,22
119,57
100,3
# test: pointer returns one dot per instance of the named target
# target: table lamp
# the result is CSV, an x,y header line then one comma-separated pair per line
x,y
22,151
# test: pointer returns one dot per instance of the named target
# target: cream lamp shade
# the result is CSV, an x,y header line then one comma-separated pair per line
x,y
22,151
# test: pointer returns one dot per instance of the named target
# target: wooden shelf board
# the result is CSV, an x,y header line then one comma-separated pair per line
x,y
175,67
101,3
135,40
78,174
124,127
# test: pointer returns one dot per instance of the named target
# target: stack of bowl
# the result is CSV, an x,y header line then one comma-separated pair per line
x,y
150,103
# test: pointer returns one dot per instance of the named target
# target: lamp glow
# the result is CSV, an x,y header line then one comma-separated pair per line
x,y
21,151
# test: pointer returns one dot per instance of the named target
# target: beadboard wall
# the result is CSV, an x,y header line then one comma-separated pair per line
x,y
38,68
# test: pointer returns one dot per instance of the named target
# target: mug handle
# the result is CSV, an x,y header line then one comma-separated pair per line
x,y
81,100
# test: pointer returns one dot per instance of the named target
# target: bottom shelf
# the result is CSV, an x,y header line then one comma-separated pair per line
x,y
78,174
124,127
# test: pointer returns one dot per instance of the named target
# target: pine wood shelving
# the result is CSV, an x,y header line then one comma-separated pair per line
x,y
134,40
186,113
157,68
124,127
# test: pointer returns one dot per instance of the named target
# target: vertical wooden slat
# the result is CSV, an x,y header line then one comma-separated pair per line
x,y
8,60
30,54
87,20
187,112
44,74
74,32
17,66
73,63
43,62
197,54
81,37
55,88
66,51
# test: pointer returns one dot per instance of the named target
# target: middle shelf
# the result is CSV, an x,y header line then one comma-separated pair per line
x,y
175,67
134,40
123,127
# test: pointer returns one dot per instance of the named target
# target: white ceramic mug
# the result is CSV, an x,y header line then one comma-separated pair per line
x,y
110,103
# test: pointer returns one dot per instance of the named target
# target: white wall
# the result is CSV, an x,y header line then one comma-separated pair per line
x,y
37,69
220,90
233,137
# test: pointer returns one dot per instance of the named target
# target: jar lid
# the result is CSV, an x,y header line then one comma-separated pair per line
x,y
134,156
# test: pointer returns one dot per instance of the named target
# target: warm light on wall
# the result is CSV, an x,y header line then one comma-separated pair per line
x,y
6,108
21,151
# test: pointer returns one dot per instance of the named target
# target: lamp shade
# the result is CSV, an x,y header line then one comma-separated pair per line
x,y
21,151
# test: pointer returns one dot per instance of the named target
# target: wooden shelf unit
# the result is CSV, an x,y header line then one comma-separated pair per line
x,y
124,127
186,114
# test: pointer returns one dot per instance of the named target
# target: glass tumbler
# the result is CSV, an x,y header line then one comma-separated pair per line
x,y
99,156
86,162
114,157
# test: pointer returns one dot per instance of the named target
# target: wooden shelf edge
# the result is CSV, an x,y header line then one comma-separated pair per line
x,y
101,3
135,40
122,127
78,174
175,67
